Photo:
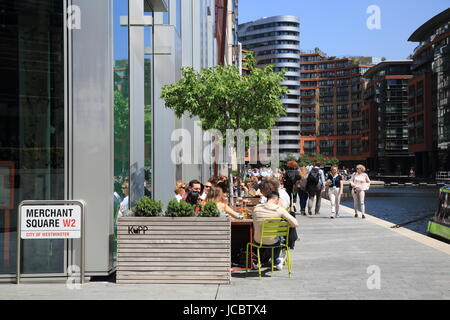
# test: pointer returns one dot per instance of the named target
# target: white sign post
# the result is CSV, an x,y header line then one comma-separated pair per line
x,y
52,219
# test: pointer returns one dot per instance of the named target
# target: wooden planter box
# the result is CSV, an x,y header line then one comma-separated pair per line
x,y
174,250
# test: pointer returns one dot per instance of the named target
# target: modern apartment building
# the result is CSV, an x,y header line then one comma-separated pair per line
x,y
226,32
331,95
385,118
429,96
276,41
74,89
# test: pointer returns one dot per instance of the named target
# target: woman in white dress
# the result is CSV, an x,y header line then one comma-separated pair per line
x,y
359,183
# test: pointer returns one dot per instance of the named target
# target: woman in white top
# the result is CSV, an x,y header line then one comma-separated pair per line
x,y
284,196
359,182
180,190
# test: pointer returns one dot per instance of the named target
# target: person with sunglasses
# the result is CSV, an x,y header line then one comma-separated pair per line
x,y
359,184
180,190
206,189
123,207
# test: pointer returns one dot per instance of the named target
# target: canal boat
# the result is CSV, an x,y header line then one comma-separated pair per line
x,y
439,225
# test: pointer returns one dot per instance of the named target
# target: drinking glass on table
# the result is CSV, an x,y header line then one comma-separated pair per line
x,y
244,212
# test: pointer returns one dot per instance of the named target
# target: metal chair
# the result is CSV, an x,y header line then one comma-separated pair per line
x,y
272,227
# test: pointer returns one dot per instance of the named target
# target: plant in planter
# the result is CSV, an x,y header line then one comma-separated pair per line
x,y
210,210
179,209
147,207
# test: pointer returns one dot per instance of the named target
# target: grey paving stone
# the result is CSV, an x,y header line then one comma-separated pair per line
x,y
330,261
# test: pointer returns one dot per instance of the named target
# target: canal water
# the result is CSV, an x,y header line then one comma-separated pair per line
x,y
399,204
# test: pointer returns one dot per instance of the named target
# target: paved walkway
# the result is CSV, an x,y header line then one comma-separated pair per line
x,y
330,261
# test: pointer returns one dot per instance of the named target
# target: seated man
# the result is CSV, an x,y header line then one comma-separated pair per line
x,y
271,209
194,192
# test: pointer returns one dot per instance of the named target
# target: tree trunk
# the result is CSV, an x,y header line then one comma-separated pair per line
x,y
230,153
230,179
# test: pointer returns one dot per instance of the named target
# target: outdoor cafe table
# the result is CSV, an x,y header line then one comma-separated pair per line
x,y
241,234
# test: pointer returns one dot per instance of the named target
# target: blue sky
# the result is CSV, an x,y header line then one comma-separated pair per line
x,y
338,27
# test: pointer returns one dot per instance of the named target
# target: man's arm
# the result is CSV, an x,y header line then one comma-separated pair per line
x,y
292,221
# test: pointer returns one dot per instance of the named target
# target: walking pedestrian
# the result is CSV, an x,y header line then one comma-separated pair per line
x,y
290,178
300,188
359,183
335,184
314,187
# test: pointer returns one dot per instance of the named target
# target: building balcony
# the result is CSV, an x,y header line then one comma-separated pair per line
x,y
294,92
292,74
290,83
289,146
290,101
290,137
258,31
286,65
289,119
248,42
276,47
292,56
288,127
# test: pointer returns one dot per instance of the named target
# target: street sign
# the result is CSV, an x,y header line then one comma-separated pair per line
x,y
51,219
50,222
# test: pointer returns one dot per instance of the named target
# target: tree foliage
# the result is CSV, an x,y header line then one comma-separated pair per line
x,y
304,161
224,99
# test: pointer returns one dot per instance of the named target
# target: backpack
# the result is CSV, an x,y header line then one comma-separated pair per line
x,y
291,178
313,177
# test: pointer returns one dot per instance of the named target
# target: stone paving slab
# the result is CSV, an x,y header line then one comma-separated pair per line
x,y
330,261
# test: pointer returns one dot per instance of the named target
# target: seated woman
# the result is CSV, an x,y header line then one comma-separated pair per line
x,y
180,190
251,191
216,195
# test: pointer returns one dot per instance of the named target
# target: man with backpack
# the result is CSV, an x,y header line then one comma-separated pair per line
x,y
314,187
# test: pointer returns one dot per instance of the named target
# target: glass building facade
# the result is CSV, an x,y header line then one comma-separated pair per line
x,y
80,106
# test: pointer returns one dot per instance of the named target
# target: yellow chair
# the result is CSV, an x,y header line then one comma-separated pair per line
x,y
272,227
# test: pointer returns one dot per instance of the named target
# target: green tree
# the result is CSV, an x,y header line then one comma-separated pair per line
x,y
224,99
309,161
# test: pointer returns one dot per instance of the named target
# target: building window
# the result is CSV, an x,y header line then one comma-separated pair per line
x,y
356,127
310,148
343,128
32,159
342,147
326,113
326,129
326,147
356,147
